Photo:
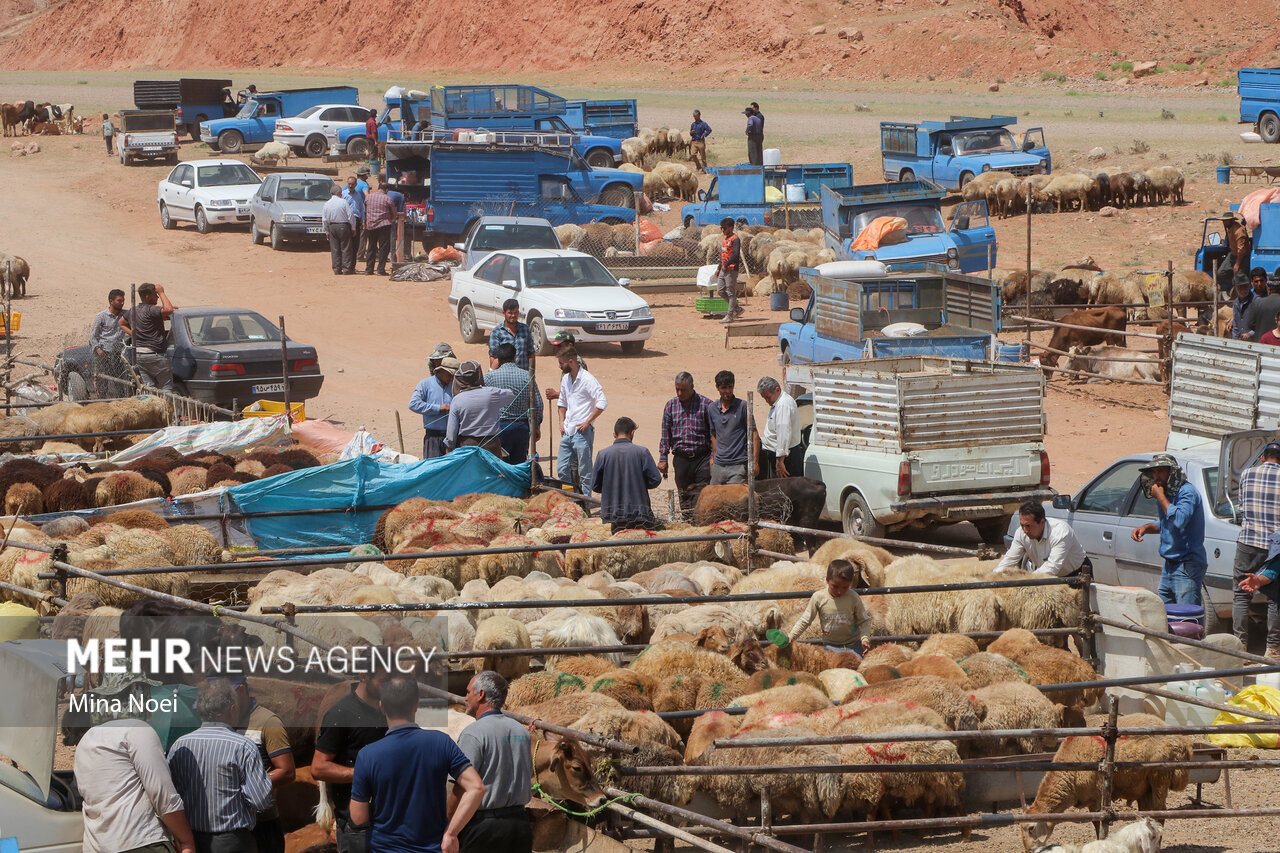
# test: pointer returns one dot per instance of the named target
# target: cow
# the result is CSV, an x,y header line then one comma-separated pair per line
x,y
1104,320
44,128
1087,360
9,119
787,500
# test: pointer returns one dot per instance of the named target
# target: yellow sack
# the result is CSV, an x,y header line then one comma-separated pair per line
x,y
18,622
773,195
1256,698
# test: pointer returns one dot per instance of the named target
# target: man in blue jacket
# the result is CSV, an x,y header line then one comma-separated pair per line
x,y
1180,524
624,474
698,133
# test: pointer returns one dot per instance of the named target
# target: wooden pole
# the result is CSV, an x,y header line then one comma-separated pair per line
x,y
635,200
8,332
533,424
1166,370
399,431
284,368
1214,319
752,460
1028,312
1108,766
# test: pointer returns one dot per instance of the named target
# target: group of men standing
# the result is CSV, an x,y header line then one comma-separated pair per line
x,y
361,220
699,130
1255,310
145,322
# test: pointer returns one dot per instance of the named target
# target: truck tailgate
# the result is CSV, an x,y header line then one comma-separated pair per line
x,y
984,468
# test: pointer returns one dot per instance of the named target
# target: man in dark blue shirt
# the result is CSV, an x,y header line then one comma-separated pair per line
x,y
1180,524
755,136
401,783
698,133
624,474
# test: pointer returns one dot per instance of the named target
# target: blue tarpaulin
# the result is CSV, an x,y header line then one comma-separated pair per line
x,y
366,482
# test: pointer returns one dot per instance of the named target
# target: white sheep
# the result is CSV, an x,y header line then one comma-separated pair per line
x,y
1063,189
1167,183
272,152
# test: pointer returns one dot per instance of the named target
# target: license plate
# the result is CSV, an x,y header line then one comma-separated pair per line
x,y
611,327
315,229
269,388
242,211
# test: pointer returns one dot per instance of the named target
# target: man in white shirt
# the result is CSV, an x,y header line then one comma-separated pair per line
x,y
1050,547
581,401
781,450
336,218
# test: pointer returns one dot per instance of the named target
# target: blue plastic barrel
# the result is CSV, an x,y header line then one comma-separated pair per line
x,y
1010,352
1224,174
779,301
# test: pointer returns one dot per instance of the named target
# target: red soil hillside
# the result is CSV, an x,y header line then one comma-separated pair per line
x,y
659,39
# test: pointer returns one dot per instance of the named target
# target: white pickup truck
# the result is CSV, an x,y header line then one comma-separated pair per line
x,y
147,135
923,441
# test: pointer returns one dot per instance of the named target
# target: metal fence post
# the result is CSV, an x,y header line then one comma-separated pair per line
x,y
284,369
1216,294
1108,767
753,457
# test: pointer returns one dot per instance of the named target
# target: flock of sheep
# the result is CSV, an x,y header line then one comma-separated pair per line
x,y
1085,283
1006,194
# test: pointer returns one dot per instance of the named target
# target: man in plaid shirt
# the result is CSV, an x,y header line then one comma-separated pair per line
x,y
513,423
1260,506
513,332
380,218
686,435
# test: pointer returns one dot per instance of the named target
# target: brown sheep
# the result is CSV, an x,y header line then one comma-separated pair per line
x,y
122,487
943,667
66,495
23,499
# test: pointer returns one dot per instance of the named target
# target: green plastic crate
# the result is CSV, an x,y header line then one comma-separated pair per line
x,y
712,305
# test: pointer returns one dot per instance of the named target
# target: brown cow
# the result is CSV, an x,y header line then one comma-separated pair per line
x,y
9,118
1105,320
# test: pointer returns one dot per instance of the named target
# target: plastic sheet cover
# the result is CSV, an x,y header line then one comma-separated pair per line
x,y
366,482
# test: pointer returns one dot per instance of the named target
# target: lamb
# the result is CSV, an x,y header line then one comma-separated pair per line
x,y
954,646
955,706
638,727
631,689
792,699
1063,789
1016,705
662,659
1047,665
564,709
502,632
272,152
942,667
539,687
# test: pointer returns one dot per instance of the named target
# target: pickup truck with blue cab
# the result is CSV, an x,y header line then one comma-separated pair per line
x,y
1259,90
255,124
951,153
784,196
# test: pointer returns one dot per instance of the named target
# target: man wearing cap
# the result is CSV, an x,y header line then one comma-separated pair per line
x,y
476,408
559,342
1262,313
1180,523
727,271
698,133
755,137
432,399
1260,506
265,731
1240,305
513,332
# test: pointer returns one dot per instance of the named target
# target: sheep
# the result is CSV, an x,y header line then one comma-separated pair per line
x,y
170,583
65,527
140,413
1004,195
193,545
272,152
566,708
942,667
1109,288
633,690
1167,183
587,667
1065,188
70,621
17,426
23,499
976,189
952,703
122,487
1013,286
1047,665
694,619
502,632
986,668
1122,190
808,797
65,495
539,687
102,623
812,658
886,654
1063,789
638,727
1016,705
708,728
662,659
581,629
1143,189
839,682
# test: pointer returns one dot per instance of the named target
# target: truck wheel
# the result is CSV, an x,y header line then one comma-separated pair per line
x,y
632,347
359,147
76,388
202,220
194,128
1269,127
165,222
599,158
277,240
1213,623
470,329
231,141
907,175
618,196
857,519
992,530
315,146
965,177
538,331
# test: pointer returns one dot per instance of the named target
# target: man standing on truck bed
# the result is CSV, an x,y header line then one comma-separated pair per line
x,y
729,430
1260,506
1181,528
755,137
698,133
686,435
727,271
145,323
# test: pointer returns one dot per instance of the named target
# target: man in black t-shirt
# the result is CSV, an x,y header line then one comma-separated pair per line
x,y
348,727
145,324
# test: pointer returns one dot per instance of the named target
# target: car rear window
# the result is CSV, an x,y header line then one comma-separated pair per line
x,y
213,329
308,189
491,238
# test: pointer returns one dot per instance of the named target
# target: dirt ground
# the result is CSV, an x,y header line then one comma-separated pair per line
x,y
86,225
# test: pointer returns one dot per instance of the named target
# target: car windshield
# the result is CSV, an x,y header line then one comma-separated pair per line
x,y
493,237
567,272
308,112
228,175
984,141
304,189
232,328
921,218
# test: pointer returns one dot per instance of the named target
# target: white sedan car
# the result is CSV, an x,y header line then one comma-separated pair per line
x,y
307,131
559,290
208,193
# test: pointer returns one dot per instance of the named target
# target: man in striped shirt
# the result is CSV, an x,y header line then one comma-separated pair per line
x,y
686,435
1260,505
219,775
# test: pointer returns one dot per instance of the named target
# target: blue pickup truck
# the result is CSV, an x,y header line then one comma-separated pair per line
x,y
863,310
766,195
449,183
950,153
1259,90
966,244
255,124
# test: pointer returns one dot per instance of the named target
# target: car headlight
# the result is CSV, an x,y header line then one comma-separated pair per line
x,y
222,202
953,258
570,314
641,312
1042,168
291,217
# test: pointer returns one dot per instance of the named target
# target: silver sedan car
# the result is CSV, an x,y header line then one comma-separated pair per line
x,y
287,208
1108,508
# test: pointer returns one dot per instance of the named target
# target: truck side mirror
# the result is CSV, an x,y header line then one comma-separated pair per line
x,y
962,222
702,195
797,315
1062,502
1028,144
624,282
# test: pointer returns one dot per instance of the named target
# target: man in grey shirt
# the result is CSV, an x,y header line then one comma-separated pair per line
x,y
729,429
106,339
499,749
475,410
145,323
1262,313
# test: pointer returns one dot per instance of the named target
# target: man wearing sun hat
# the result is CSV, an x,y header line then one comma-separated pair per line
x,y
1260,507
1180,523
432,399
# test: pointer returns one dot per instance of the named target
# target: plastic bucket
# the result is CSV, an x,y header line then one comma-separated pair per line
x,y
772,156
779,301
795,193
1224,174
778,637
